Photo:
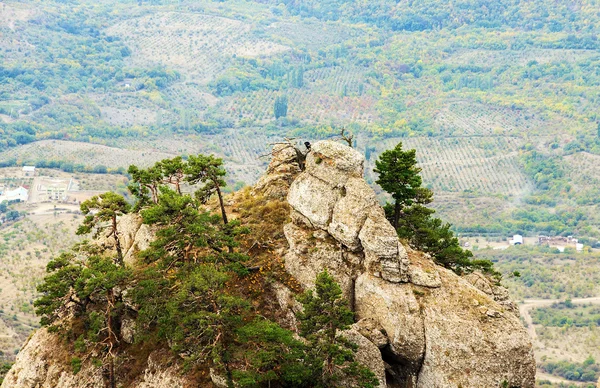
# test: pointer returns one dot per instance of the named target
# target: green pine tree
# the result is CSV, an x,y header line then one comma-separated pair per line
x,y
101,209
325,314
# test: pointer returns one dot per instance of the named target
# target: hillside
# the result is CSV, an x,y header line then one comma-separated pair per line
x,y
498,97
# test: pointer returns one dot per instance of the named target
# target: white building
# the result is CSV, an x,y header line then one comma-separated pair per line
x,y
516,240
19,194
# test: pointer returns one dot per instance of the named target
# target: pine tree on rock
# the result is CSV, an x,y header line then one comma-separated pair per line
x,y
325,314
104,208
208,170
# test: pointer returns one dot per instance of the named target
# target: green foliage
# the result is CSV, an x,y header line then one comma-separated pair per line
x,y
56,289
280,109
102,209
586,371
76,364
208,170
565,314
399,176
4,368
325,314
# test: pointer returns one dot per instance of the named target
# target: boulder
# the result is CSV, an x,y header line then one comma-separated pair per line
x,y
396,309
280,173
334,163
43,363
377,236
367,354
314,199
351,211
373,331
311,252
469,345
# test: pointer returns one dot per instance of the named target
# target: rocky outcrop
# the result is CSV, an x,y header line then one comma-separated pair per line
x,y
432,327
280,173
418,324
44,363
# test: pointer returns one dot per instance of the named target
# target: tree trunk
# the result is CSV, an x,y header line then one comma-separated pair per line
x,y
117,242
221,203
111,339
111,373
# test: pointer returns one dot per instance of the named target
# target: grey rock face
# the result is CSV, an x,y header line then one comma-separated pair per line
x,y
37,366
420,316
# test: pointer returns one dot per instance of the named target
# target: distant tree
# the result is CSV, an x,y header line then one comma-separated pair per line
x,y
102,209
324,315
281,107
100,169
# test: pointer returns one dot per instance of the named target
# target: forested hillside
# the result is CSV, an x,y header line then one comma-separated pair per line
x,y
499,98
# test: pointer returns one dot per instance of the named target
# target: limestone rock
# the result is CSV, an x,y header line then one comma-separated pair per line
x,y
378,236
159,375
424,277
397,311
367,354
351,211
134,237
44,363
310,253
314,199
334,163
128,330
280,173
218,380
497,292
464,348
34,366
373,331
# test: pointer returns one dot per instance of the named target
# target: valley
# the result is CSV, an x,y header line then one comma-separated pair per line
x,y
500,106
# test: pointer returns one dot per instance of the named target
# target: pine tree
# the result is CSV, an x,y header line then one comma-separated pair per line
x,y
413,221
103,208
399,176
208,170
325,314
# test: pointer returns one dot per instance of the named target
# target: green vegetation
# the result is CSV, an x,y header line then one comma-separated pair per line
x,y
546,273
585,371
399,176
4,368
566,314
193,290
499,97
324,315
